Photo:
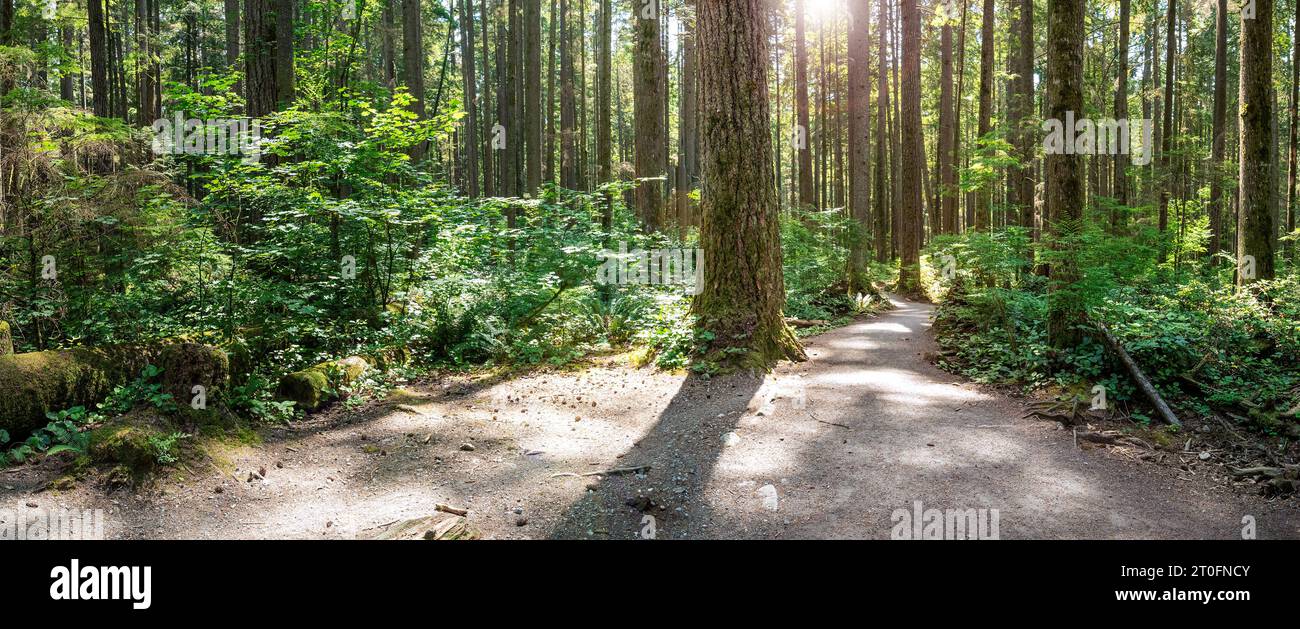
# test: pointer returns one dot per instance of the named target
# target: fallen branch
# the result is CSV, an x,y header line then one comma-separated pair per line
x,y
614,472
805,323
450,509
1138,377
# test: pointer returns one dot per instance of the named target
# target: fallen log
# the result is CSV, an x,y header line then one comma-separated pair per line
x,y
1138,377
804,323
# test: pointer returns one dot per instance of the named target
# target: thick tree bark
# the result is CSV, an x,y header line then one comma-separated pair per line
x,y
859,147
99,58
947,158
284,78
1255,218
568,108
1063,177
604,109
232,32
912,165
388,45
743,289
259,58
686,141
648,96
1166,134
1295,134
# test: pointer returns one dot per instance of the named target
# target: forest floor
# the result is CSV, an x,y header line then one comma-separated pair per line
x,y
828,448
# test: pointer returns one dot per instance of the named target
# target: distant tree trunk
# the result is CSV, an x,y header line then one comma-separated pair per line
x,y
1121,113
147,88
259,57
515,79
882,140
912,164
532,15
490,117
859,147
1022,111
568,107
604,143
549,170
413,64
470,127
651,142
284,79
388,47
1063,172
232,32
743,288
947,159
984,199
1166,134
65,78
1255,219
99,58
1292,151
802,133
686,141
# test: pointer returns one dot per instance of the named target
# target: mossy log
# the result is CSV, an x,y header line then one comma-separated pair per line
x,y
310,387
6,339
34,383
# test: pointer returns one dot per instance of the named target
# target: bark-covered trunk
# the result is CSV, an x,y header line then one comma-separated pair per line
x,y
947,158
1255,214
1121,113
649,78
1063,175
882,139
532,15
259,58
912,164
859,147
1166,133
803,133
568,108
284,79
604,110
99,57
686,141
1218,141
1022,111
984,198
743,289
470,128
232,31
1295,134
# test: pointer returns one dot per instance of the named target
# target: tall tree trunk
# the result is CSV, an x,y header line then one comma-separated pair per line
x,y
388,47
259,57
882,139
1295,134
743,289
470,128
604,109
686,141
568,108
1064,192
65,77
803,133
232,32
1255,220
1166,134
649,80
490,117
859,147
99,58
284,79
1121,113
912,164
947,158
1022,110
984,199
532,15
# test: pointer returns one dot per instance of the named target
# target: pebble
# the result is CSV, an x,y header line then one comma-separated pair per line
x,y
467,447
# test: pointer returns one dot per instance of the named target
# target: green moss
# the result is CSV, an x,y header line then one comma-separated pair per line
x,y
309,388
125,443
6,339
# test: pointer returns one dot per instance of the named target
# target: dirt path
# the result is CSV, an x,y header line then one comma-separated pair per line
x,y
824,449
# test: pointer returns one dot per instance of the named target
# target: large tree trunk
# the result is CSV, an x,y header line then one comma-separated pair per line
x,y
99,58
259,57
413,64
912,165
1295,135
651,141
568,108
470,128
1220,117
1255,218
284,79
984,199
859,147
1064,192
803,133
388,45
743,289
604,130
232,32
532,15
686,141
490,117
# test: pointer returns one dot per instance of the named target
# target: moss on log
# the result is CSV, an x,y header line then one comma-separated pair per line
x,y
311,387
6,339
34,383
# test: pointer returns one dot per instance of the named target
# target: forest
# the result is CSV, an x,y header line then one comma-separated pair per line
x,y
223,220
